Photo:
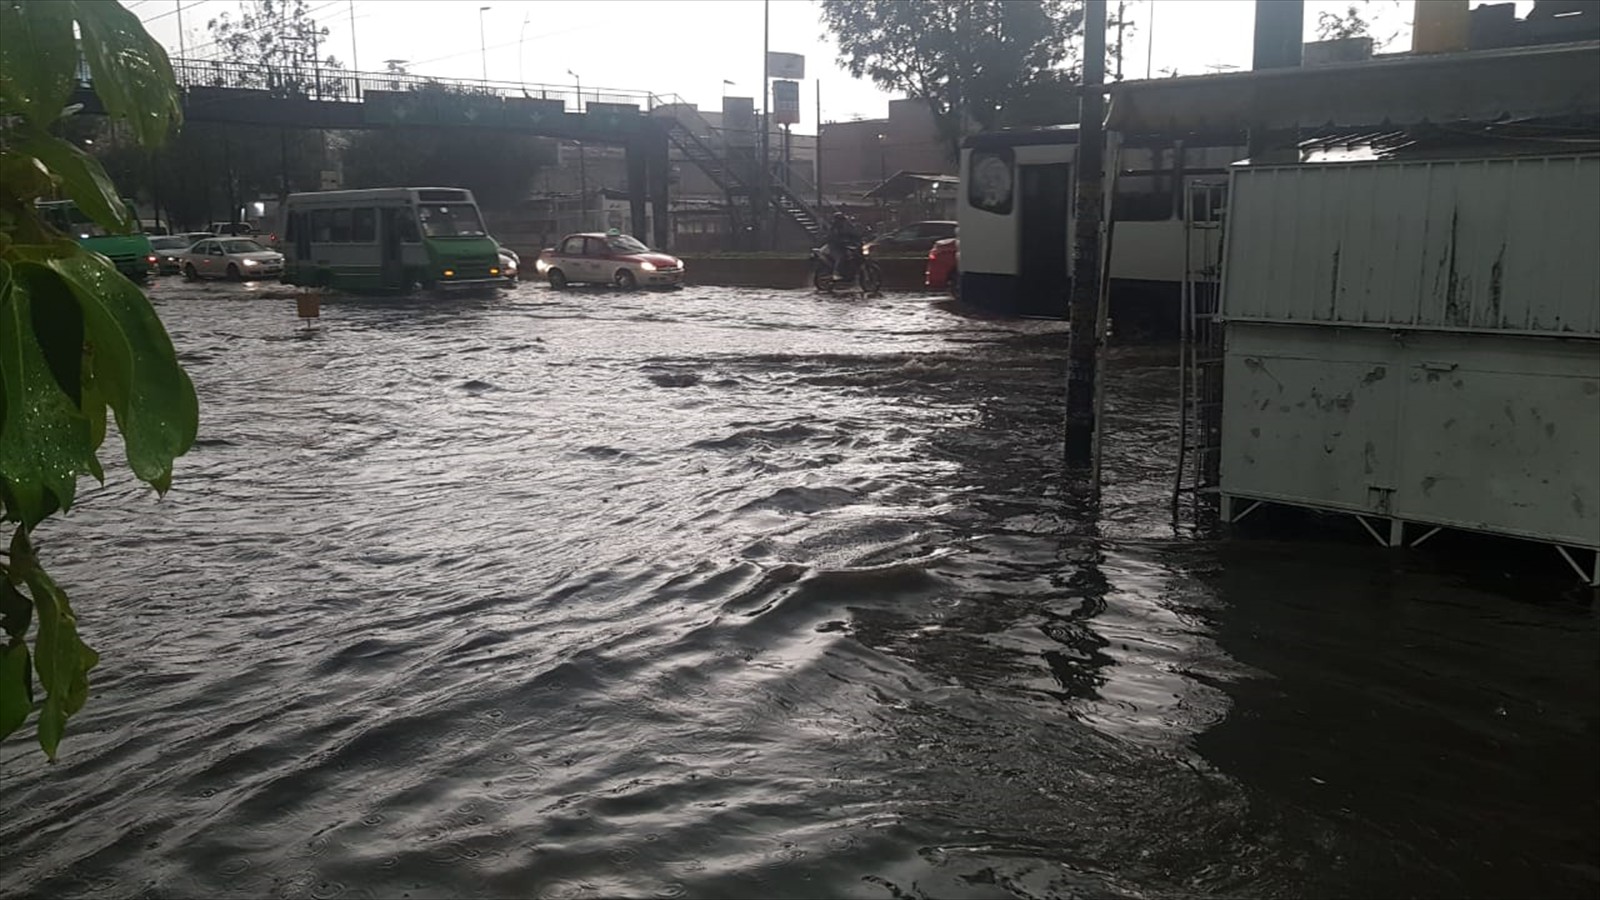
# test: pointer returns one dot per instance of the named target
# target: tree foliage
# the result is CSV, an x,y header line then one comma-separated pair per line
x,y
76,337
968,61
1351,23
274,44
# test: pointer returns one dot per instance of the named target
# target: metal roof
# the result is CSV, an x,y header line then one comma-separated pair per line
x,y
903,184
1551,81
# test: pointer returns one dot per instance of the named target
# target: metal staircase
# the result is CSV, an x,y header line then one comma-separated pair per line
x,y
1200,367
693,137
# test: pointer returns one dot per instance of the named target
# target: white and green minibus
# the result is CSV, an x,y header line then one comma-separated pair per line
x,y
387,240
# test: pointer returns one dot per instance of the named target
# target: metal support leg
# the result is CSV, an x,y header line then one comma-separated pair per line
x,y
1229,504
1373,531
1397,533
1593,578
1431,532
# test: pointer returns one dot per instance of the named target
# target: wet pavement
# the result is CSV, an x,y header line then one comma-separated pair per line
x,y
728,593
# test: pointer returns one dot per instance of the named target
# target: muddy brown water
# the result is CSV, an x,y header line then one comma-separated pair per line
x,y
730,593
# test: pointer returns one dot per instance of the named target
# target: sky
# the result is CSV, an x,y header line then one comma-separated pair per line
x,y
690,47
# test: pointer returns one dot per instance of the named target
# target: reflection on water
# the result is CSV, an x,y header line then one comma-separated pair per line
x,y
735,593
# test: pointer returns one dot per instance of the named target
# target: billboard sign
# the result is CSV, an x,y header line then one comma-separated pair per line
x,y
786,102
786,65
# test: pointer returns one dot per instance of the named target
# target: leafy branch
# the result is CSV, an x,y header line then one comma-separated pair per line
x,y
76,337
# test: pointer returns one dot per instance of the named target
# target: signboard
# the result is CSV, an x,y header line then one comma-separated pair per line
x,y
786,102
786,65
739,121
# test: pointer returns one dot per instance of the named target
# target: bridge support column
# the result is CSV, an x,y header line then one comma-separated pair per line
x,y
657,171
637,189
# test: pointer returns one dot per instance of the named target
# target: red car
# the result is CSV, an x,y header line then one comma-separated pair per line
x,y
615,259
944,267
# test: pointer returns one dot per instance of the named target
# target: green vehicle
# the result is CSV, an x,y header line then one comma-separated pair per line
x,y
130,253
388,240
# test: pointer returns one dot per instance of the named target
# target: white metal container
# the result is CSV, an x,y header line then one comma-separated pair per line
x,y
1417,342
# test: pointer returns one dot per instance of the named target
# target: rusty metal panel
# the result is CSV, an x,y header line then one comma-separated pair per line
x,y
1489,432
1485,245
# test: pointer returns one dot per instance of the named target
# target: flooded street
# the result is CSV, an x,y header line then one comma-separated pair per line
x,y
729,593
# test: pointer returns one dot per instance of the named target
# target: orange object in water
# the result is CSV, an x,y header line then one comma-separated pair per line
x,y
308,305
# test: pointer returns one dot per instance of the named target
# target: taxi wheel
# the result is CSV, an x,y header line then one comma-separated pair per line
x,y
558,279
189,274
625,280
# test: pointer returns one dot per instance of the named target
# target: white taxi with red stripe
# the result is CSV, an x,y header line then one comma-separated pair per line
x,y
608,258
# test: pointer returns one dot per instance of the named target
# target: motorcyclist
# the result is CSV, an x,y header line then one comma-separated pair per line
x,y
842,236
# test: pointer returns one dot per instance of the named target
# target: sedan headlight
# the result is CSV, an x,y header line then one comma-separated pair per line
x,y
252,262
648,266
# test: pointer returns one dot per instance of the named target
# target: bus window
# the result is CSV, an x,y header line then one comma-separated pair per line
x,y
1143,197
450,220
291,228
364,225
341,226
321,226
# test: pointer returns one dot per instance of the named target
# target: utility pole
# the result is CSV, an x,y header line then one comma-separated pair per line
x,y
817,162
766,169
354,66
1083,309
583,169
178,8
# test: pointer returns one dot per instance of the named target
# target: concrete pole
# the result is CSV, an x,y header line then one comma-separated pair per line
x,y
766,171
1082,342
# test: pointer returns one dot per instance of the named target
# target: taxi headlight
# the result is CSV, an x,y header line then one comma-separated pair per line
x,y
648,266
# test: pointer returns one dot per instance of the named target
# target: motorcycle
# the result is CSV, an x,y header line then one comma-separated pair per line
x,y
857,268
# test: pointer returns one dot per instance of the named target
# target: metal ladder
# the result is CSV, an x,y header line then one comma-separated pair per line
x,y
1201,347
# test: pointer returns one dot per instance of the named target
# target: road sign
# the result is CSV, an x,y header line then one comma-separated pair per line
x,y
786,102
786,65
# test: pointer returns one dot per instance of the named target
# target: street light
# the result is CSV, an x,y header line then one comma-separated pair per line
x,y
579,83
483,47
725,85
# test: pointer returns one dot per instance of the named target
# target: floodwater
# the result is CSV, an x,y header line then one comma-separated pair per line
x,y
734,593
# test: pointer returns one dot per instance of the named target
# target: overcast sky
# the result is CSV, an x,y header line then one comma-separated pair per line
x,y
689,47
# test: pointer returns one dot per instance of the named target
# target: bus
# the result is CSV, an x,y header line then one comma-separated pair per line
x,y
1016,209
130,252
387,240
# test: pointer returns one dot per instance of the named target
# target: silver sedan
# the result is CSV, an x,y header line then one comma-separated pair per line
x,y
236,259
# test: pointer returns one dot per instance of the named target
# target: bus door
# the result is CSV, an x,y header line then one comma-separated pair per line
x,y
391,269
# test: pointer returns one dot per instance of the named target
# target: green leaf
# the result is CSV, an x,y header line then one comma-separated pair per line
x,y
44,439
16,610
62,660
83,180
134,367
58,326
37,58
16,688
132,75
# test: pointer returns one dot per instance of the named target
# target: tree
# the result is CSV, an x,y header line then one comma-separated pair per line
x,y
273,44
499,171
75,336
1351,24
966,60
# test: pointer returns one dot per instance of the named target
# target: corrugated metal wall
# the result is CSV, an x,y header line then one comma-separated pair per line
x,y
1504,245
